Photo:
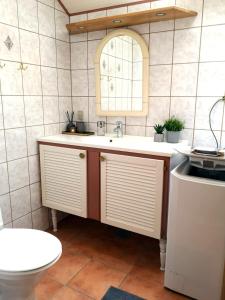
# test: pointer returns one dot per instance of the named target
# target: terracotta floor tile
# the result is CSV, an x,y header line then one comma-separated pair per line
x,y
142,288
68,265
47,288
94,279
148,289
117,256
66,293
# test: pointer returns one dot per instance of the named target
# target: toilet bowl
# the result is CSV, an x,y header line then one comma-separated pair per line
x,y
24,256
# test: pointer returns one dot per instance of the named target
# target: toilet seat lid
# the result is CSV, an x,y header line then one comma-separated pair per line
x,y
27,249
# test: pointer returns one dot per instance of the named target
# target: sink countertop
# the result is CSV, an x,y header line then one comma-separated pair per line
x,y
128,143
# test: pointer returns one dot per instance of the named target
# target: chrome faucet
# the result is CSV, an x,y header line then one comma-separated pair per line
x,y
119,129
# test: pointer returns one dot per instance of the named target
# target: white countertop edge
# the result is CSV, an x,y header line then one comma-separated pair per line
x,y
169,151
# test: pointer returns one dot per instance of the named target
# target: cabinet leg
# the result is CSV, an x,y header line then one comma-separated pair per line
x,y
54,219
162,245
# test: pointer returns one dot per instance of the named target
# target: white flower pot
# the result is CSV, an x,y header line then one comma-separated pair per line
x,y
173,136
159,137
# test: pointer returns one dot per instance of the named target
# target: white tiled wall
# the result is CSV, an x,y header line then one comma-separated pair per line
x,y
187,70
32,102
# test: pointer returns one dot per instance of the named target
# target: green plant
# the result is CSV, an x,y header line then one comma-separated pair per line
x,y
174,124
159,128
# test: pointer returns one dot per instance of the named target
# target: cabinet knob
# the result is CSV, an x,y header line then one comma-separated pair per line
x,y
102,158
82,155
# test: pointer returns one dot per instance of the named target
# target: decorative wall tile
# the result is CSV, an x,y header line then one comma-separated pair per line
x,y
96,35
158,111
13,110
9,33
186,45
35,192
47,51
23,222
61,19
34,168
135,130
204,138
80,83
16,143
161,52
51,129
212,45
32,81
214,12
81,37
33,133
40,218
65,104
4,184
20,202
163,3
184,108
184,79
33,110
5,208
92,47
79,55
49,81
18,173
1,114
63,55
46,20
80,104
162,26
92,111
27,11
8,12
29,42
51,109
91,82
203,107
64,82
160,80
211,79
11,79
2,147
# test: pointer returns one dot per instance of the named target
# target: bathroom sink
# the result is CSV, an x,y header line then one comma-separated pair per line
x,y
127,143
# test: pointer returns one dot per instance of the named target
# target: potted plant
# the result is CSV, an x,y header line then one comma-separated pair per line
x,y
159,136
173,127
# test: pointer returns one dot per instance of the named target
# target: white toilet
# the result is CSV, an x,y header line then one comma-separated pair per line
x,y
24,256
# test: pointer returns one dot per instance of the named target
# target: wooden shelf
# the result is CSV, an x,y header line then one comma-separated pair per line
x,y
141,17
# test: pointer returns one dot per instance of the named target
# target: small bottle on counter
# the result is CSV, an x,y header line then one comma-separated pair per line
x,y
101,128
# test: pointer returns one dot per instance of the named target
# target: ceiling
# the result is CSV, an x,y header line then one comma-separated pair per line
x,y
76,6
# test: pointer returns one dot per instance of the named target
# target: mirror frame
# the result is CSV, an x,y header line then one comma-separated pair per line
x,y
145,73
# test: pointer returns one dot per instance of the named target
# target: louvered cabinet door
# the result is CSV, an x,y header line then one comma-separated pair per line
x,y
131,193
63,177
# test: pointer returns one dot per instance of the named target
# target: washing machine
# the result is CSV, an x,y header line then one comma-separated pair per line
x,y
195,260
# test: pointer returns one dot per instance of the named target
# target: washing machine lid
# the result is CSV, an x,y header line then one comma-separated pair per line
x,y
27,249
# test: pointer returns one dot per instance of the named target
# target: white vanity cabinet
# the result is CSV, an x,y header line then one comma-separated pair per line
x,y
132,193
64,179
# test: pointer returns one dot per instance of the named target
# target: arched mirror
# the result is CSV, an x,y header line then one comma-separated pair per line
x,y
121,65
